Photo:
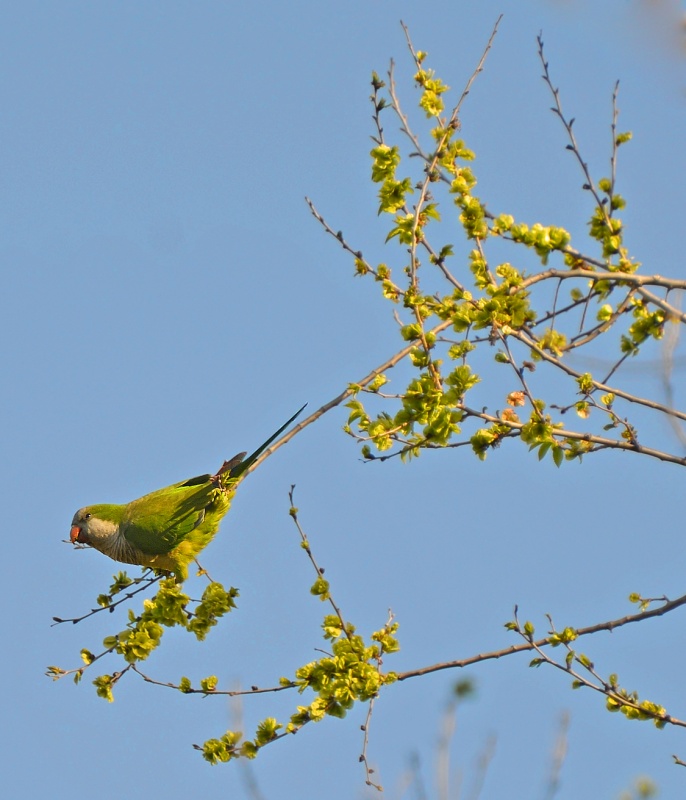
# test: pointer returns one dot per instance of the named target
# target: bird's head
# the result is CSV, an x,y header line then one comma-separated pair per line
x,y
95,525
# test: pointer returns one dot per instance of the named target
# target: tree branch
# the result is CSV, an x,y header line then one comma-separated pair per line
x,y
525,647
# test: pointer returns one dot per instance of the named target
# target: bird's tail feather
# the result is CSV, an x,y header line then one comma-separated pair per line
x,y
235,467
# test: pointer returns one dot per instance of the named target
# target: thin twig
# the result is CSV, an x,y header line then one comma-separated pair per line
x,y
369,771
479,69
615,145
568,125
319,570
143,578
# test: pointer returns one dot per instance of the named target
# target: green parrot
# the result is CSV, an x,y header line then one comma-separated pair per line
x,y
168,528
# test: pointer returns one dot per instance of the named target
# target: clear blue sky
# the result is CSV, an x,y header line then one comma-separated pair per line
x,y
169,301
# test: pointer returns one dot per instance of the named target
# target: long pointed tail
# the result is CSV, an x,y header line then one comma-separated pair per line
x,y
237,466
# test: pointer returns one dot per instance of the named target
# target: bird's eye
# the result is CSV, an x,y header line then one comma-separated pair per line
x,y
87,516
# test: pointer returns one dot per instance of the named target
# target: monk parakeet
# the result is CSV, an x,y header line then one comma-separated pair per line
x,y
167,528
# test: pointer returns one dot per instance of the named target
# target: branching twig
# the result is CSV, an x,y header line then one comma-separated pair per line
x,y
147,581
369,771
603,387
620,699
610,625
477,71
568,124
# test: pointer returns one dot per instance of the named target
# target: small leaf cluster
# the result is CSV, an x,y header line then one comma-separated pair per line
x,y
168,608
215,603
432,89
628,703
617,698
608,229
121,582
393,192
207,685
352,673
543,240
540,434
648,324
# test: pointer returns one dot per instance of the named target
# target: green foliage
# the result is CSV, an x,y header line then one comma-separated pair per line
x,y
222,749
209,684
485,303
433,88
136,643
348,675
320,589
170,607
392,192
648,323
629,705
120,583
352,673
103,687
215,603
563,637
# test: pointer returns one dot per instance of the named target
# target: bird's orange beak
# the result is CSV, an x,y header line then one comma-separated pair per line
x,y
74,533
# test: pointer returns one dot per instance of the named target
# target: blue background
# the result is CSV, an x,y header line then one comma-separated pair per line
x,y
169,301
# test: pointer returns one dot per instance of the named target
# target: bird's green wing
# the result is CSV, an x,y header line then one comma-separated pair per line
x,y
158,522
